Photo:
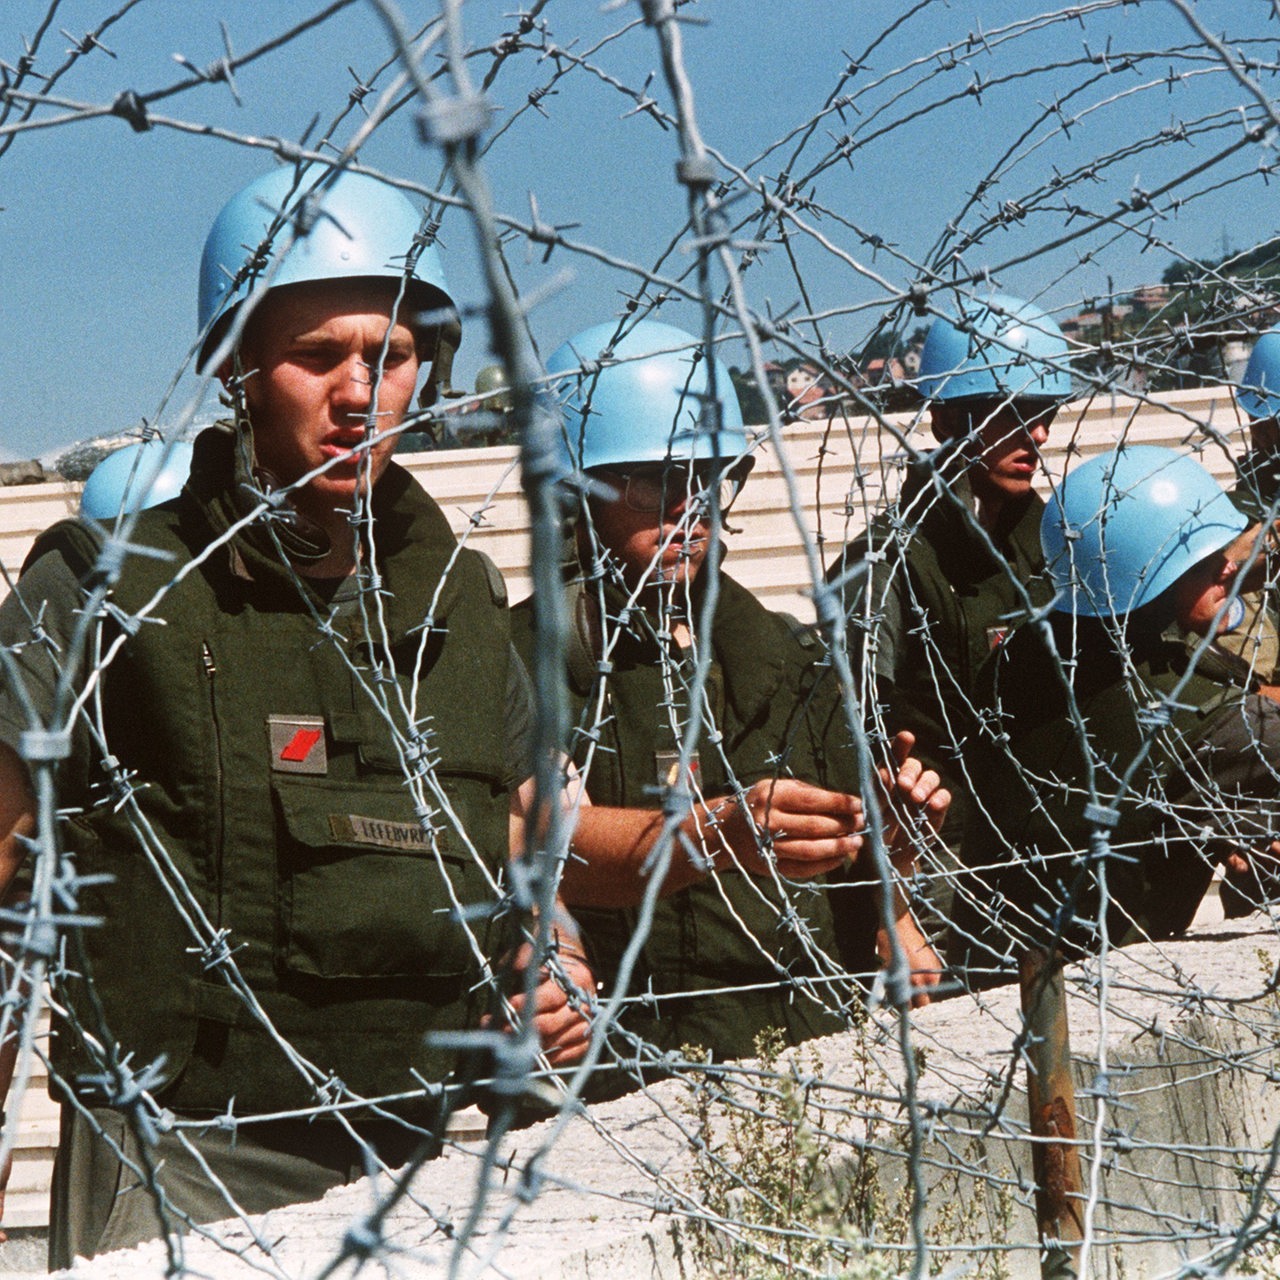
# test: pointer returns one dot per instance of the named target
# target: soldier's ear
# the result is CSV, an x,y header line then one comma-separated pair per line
x,y
942,421
236,358
239,362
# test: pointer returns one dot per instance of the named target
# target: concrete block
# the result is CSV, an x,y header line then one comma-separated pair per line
x,y
1176,1060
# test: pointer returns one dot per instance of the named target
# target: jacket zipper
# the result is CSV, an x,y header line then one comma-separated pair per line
x,y
215,823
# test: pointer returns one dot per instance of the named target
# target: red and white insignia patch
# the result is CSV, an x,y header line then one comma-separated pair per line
x,y
297,744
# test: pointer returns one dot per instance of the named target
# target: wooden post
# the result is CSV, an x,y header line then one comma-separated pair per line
x,y
1052,1105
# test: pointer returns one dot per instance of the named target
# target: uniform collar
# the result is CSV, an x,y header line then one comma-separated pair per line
x,y
223,485
937,495
753,668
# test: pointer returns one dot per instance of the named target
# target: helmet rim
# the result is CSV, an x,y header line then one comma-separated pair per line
x,y
645,403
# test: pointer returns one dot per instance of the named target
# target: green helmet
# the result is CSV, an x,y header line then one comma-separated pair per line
x,y
491,382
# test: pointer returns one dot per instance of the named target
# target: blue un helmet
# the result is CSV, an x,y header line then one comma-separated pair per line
x,y
649,401
328,227
1259,391
1123,527
998,348
134,477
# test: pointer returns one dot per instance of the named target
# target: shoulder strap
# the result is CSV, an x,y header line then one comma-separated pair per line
x,y
579,657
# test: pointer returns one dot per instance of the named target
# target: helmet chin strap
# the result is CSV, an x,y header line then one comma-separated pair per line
x,y
448,337
299,537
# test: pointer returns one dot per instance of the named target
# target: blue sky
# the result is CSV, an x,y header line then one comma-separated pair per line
x,y
101,227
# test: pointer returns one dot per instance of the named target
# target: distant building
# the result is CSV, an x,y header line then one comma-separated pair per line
x,y
1150,297
807,392
1086,327
880,371
777,375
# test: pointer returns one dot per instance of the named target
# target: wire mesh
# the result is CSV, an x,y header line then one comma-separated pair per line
x,y
807,222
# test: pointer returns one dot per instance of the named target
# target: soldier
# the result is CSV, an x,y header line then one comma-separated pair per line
x,y
1106,749
939,579
1259,396
1246,641
289,801
1243,645
742,937
136,476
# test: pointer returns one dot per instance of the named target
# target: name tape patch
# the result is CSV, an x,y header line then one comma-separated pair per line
x,y
354,828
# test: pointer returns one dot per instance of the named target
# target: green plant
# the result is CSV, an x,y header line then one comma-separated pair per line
x,y
792,1180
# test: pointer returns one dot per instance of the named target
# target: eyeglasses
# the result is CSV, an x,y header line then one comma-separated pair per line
x,y
650,489
1013,415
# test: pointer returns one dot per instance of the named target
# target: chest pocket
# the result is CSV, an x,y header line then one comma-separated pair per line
x,y
364,892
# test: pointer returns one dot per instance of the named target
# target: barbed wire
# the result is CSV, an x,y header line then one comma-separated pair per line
x,y
959,150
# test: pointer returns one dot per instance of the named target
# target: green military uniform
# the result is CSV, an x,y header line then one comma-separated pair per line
x,y
937,597
1259,483
1206,786
271,722
1245,649
733,954
1249,633
1247,645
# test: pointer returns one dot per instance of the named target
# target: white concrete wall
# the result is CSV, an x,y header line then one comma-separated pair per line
x,y
1188,1037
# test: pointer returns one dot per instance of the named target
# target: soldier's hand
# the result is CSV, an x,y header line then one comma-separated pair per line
x,y
560,1001
923,962
808,830
914,798
1256,867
